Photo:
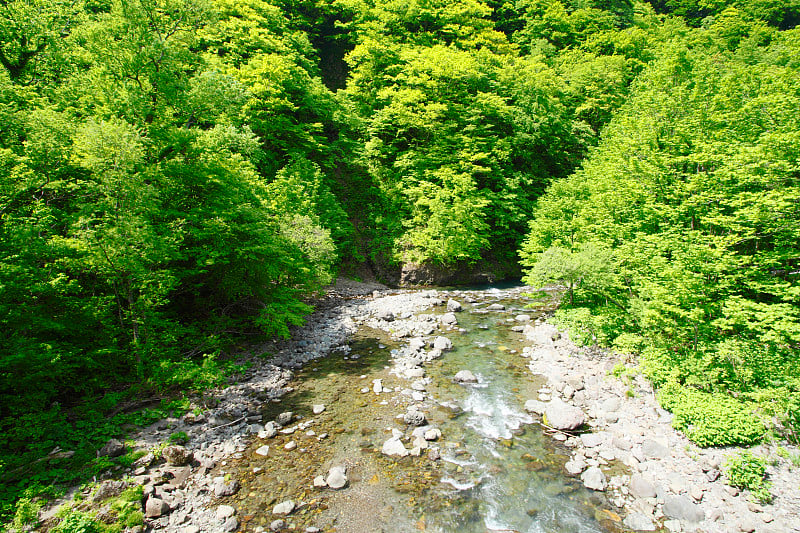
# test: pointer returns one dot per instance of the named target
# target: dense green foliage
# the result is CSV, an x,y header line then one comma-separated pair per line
x,y
681,228
177,177
748,471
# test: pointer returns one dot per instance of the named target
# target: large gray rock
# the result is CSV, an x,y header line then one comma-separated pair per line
x,y
594,478
414,418
449,319
563,416
284,508
465,376
284,418
654,450
225,511
337,477
222,489
177,455
641,487
442,343
683,508
535,406
393,447
155,507
112,448
453,306
496,307
639,522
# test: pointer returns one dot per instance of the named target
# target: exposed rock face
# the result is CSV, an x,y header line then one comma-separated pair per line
x,y
563,416
112,448
460,273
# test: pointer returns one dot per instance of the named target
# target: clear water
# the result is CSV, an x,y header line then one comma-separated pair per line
x,y
498,472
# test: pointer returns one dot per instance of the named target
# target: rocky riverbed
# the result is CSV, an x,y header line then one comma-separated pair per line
x,y
366,438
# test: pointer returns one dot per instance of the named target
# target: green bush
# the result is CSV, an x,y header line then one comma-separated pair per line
x,y
748,471
711,419
78,522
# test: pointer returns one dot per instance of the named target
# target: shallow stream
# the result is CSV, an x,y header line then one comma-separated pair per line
x,y
498,470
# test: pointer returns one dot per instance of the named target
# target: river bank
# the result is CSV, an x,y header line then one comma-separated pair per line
x,y
260,458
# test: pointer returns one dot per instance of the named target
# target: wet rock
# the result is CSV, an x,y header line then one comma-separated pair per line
x,y
434,454
535,406
155,507
563,416
453,306
641,487
284,508
594,478
465,376
575,466
393,447
639,522
263,451
318,408
223,489
442,343
337,477
176,455
284,418
112,448
414,418
683,508
449,319
433,434
496,307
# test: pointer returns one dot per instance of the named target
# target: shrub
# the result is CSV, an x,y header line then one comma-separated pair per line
x,y
710,419
748,471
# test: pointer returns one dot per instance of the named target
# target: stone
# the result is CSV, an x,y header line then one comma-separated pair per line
x,y
563,416
394,447
591,440
284,418
222,489
442,343
465,376
319,482
269,431
230,525
639,522
318,408
109,489
377,386
112,448
277,525
535,406
177,455
449,319
263,451
523,318
187,529
496,307
673,525
385,314
453,306
337,477
641,487
155,507
225,511
312,529
433,434
746,525
289,446
594,478
575,466
621,444
683,508
284,508
696,493
654,450
414,418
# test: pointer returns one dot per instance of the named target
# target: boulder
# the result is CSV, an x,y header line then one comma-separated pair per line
x,y
683,508
284,418
414,418
594,478
284,508
433,434
155,507
222,489
654,450
523,318
641,487
453,306
563,416
496,307
535,406
449,319
225,511
177,455
112,448
442,343
337,477
394,447
465,376
639,522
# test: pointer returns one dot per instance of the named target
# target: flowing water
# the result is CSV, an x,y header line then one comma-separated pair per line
x,y
498,470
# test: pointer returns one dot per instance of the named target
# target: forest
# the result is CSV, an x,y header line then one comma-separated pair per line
x,y
179,178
